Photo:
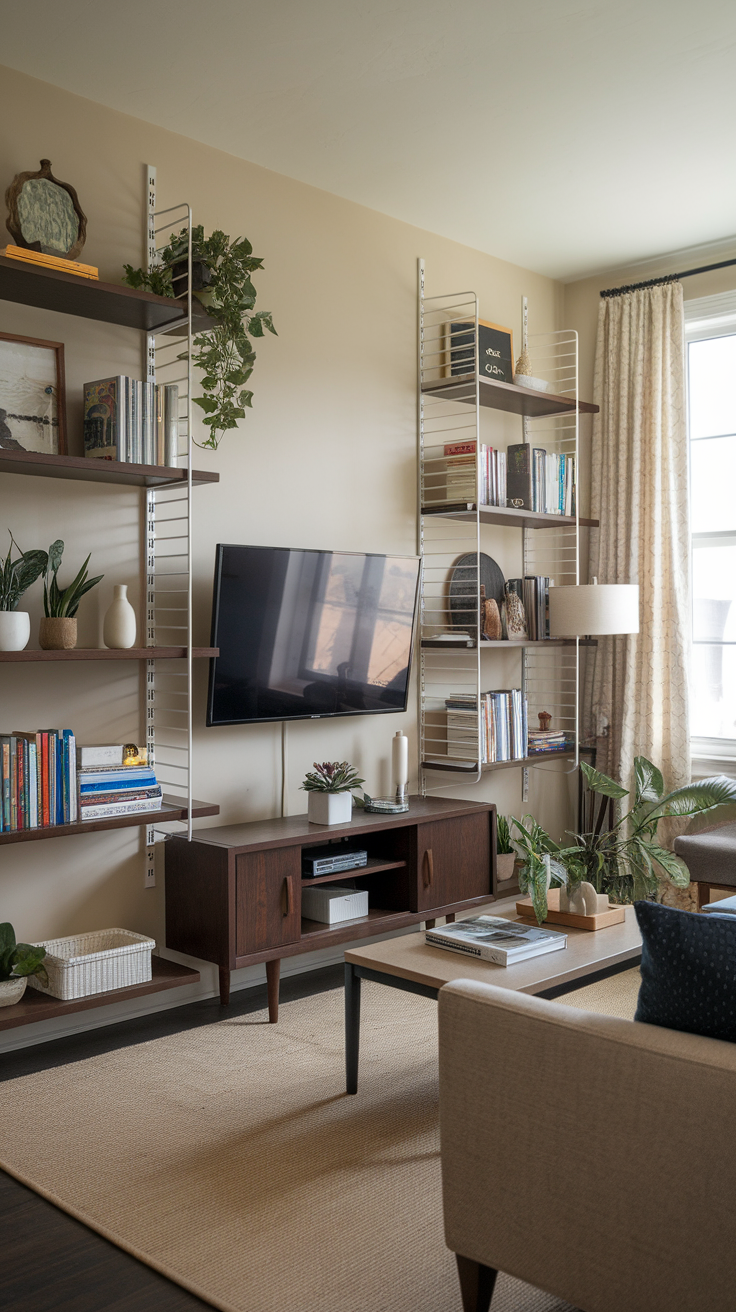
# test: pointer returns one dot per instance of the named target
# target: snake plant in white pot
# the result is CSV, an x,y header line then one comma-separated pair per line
x,y
16,577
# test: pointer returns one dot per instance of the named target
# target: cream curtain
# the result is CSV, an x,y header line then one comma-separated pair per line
x,y
636,686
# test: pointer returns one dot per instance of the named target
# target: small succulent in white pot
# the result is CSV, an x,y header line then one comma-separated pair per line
x,y
16,577
330,786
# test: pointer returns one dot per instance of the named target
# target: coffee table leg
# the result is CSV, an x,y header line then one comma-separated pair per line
x,y
352,1027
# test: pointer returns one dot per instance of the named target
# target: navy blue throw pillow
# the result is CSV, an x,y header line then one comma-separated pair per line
x,y
688,971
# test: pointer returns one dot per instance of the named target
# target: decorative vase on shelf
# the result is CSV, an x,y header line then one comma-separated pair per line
x,y
15,630
57,633
330,808
12,990
119,626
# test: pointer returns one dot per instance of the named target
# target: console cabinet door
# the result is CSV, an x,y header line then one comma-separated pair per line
x,y
454,860
267,899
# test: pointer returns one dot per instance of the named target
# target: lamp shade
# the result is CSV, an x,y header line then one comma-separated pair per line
x,y
593,608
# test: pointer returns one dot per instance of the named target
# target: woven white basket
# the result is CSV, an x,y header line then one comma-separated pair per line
x,y
94,963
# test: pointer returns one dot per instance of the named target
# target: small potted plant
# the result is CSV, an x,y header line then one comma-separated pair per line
x,y
16,577
330,787
59,627
505,854
17,962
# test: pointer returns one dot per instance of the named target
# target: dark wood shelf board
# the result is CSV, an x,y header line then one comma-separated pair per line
x,y
35,1006
318,927
505,516
87,470
436,644
514,400
171,810
373,867
67,293
564,753
107,654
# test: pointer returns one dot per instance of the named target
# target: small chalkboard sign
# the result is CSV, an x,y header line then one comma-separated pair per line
x,y
495,350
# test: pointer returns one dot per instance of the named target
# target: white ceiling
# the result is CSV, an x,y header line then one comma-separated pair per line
x,y
567,136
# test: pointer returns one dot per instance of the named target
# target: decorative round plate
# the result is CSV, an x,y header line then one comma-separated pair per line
x,y
464,591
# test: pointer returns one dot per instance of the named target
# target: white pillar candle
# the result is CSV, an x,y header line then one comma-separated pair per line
x,y
400,760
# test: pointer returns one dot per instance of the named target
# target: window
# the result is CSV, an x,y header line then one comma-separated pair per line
x,y
711,368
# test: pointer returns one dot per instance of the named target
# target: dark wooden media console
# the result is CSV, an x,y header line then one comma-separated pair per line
x,y
233,894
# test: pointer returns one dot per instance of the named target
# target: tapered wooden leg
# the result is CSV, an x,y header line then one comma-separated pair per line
x,y
352,1027
430,924
273,971
224,986
476,1284
450,920
703,895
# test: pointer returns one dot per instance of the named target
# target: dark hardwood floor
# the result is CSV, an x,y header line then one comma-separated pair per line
x,y
52,1263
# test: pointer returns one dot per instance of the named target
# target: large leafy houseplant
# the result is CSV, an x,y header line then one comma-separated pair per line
x,y
16,576
225,352
58,604
626,860
19,959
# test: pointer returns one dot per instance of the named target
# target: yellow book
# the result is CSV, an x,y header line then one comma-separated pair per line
x,y
51,262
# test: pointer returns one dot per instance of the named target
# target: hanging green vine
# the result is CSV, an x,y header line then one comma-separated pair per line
x,y
221,272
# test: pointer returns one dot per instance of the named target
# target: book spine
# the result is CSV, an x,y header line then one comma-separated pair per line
x,y
45,814
6,784
109,799
32,787
519,475
160,426
171,425
121,808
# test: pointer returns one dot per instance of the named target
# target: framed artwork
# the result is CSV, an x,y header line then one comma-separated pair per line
x,y
32,395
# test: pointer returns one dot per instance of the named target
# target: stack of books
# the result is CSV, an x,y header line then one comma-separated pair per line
x,y
51,262
125,419
493,938
550,740
461,481
542,481
503,726
38,774
112,783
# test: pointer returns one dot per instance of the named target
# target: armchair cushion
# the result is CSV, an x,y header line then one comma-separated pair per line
x,y
688,971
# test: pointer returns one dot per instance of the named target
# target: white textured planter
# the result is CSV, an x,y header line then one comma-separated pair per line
x,y
15,630
330,808
119,626
12,990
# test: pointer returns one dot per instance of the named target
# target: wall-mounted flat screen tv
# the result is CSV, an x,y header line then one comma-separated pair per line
x,y
306,634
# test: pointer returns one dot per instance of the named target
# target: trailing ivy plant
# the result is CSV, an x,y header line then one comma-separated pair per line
x,y
225,352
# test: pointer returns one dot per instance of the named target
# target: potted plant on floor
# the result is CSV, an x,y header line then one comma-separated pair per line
x,y
330,786
624,860
16,577
17,962
59,627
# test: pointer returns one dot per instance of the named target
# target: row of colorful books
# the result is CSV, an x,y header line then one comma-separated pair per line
x,y
39,785
549,740
133,421
503,726
542,481
45,779
460,476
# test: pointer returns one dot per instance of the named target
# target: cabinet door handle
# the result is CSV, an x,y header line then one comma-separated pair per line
x,y
428,868
287,900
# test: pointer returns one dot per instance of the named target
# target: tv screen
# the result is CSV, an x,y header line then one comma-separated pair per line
x,y
306,634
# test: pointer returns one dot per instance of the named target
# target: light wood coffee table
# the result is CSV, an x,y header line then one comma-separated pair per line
x,y
410,964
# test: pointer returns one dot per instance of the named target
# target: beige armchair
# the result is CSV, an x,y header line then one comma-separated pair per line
x,y
592,1157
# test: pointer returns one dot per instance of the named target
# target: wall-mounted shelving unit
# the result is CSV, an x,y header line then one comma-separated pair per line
x,y
449,409
166,513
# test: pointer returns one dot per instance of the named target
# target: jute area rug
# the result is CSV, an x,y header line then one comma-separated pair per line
x,y
230,1159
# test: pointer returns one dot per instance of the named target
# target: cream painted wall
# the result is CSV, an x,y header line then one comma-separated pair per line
x,y
327,459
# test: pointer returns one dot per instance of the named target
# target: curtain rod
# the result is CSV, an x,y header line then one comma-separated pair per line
x,y
667,277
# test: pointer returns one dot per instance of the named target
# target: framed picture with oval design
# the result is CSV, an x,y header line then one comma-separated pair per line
x,y
32,395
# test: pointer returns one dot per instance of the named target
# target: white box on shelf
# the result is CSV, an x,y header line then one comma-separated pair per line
x,y
332,903
83,964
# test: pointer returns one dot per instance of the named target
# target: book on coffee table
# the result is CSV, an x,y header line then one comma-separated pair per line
x,y
493,938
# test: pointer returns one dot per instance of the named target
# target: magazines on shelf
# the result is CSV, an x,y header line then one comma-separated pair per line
x,y
502,726
461,473
38,776
493,938
132,421
111,789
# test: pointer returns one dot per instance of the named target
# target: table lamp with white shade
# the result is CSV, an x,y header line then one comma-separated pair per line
x,y
590,610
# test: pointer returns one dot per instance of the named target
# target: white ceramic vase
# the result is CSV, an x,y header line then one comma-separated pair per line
x,y
330,808
15,630
119,626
